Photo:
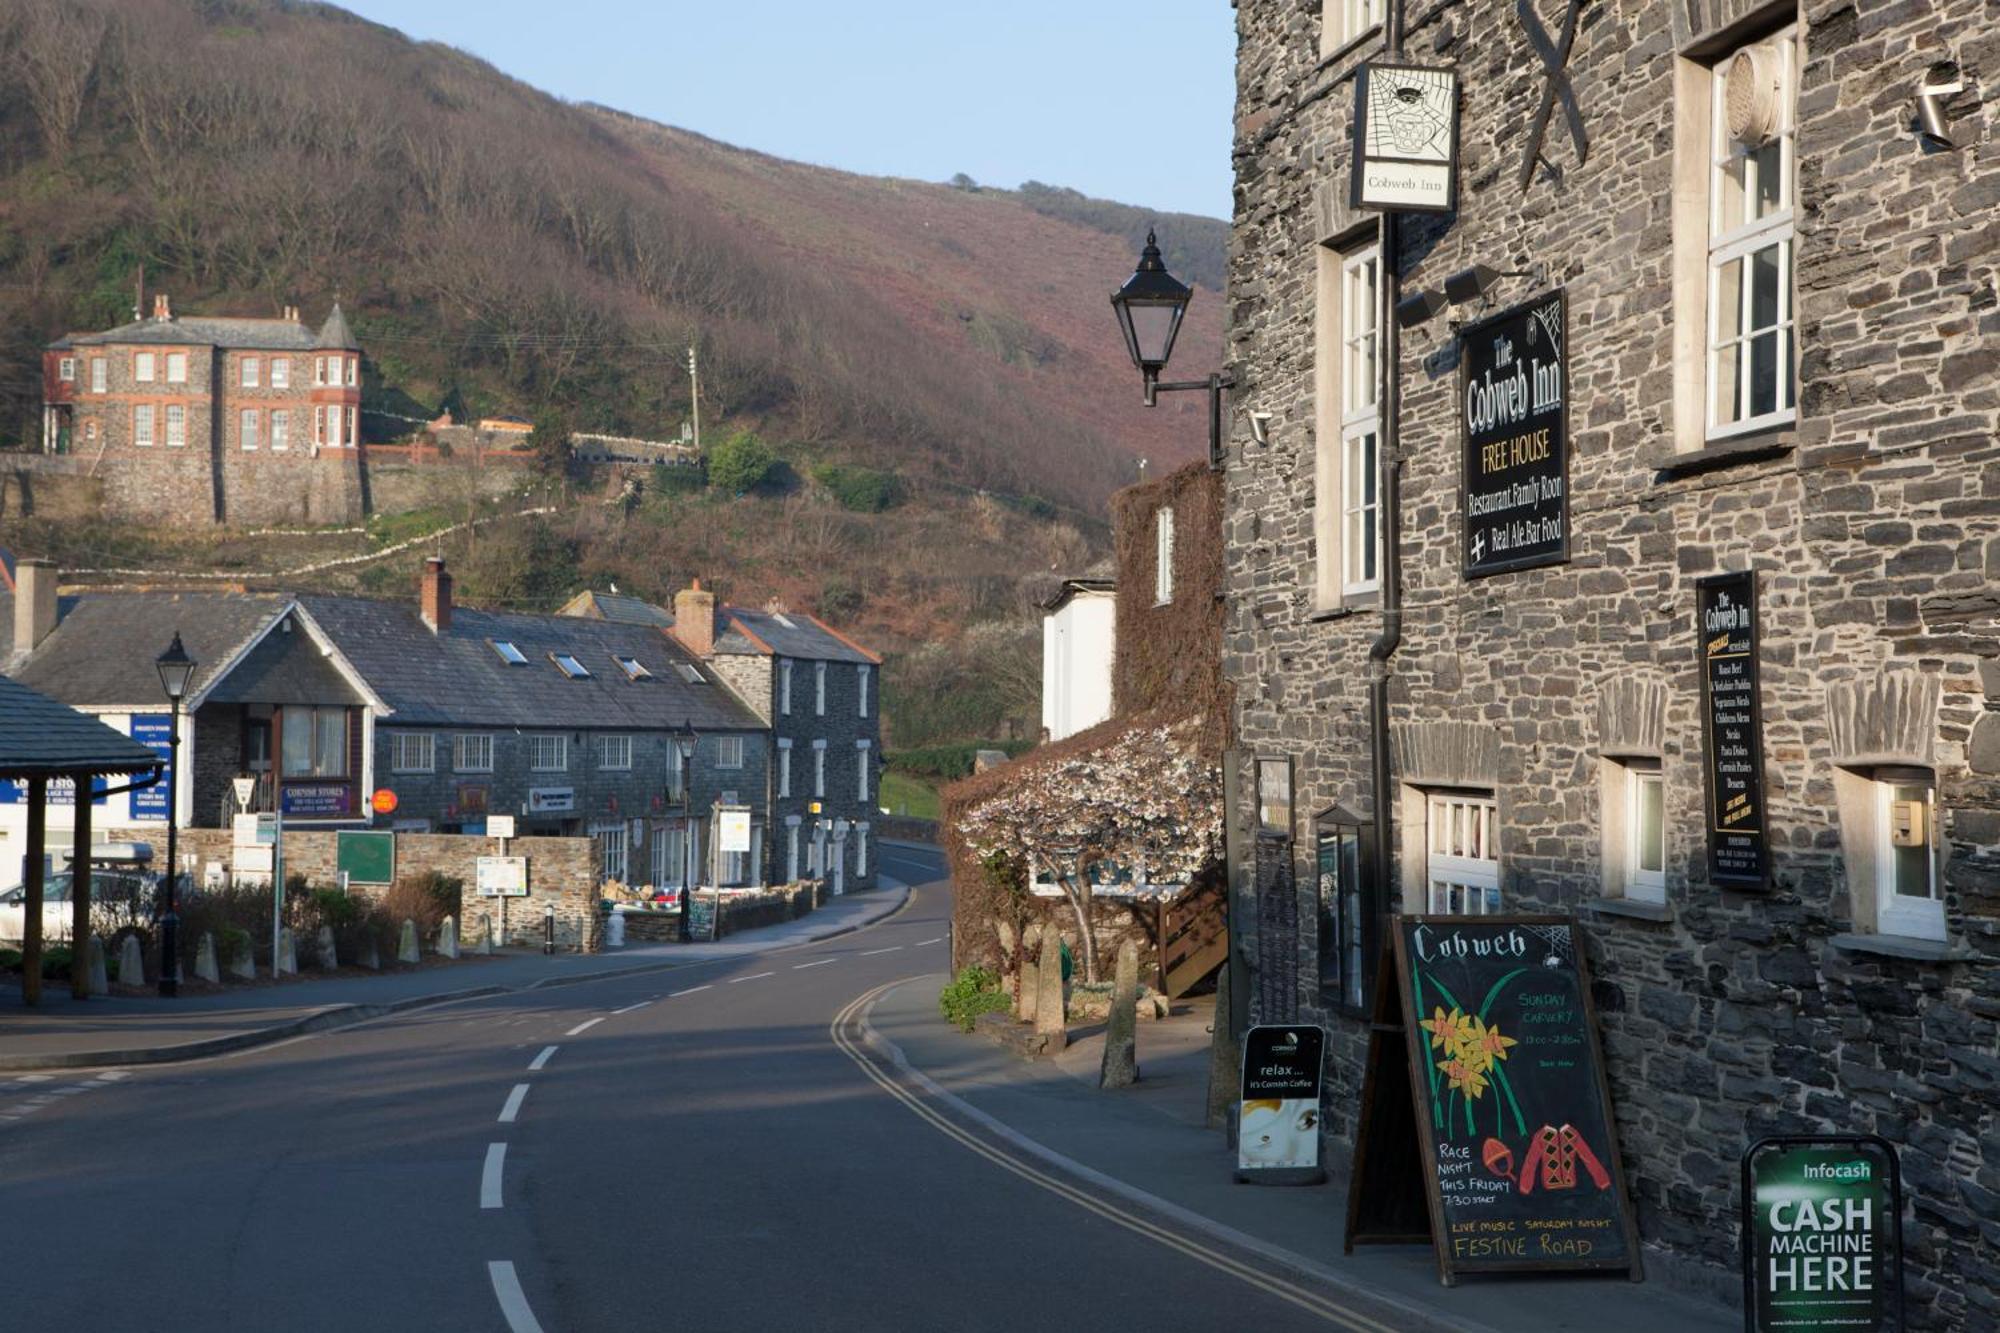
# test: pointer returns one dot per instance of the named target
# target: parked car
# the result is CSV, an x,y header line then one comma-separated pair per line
x,y
116,898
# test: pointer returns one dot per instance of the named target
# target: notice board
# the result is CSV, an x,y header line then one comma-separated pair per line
x,y
1497,1113
1733,730
366,858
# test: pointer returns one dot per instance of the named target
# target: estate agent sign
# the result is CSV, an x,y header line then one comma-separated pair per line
x,y
1513,396
1822,1235
1726,629
1405,139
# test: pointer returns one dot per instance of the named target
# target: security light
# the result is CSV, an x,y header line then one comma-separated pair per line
x,y
1418,307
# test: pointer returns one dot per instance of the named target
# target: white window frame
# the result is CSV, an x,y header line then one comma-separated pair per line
x,y
100,375
861,758
860,850
249,372
1641,883
548,753
334,429
412,752
1461,857
729,752
281,429
143,368
1342,22
614,849
819,689
1347,425
353,370
1163,555
614,753
784,766
472,752
792,850
176,425
247,421
861,680
142,425
785,686
1897,913
281,372
819,770
177,367
319,372
319,425
669,857
66,369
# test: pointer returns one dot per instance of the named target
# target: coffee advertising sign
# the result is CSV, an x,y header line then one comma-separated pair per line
x,y
1513,399
1726,628
1277,1135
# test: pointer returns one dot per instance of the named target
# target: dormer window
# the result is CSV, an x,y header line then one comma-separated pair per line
x,y
570,666
509,654
633,668
690,674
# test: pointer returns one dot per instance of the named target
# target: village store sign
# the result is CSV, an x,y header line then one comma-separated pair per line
x,y
1822,1235
1514,406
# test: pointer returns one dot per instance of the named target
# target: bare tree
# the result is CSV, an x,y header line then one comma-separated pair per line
x,y
55,52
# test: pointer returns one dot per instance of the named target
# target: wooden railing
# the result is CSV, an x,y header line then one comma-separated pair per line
x,y
1193,936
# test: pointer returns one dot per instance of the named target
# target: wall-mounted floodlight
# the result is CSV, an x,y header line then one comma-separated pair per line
x,y
1473,284
1934,104
1418,307
1260,427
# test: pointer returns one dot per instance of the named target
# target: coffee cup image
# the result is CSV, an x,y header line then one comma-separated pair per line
x,y
1277,1133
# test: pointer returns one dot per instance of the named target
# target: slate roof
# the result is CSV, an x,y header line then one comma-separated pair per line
x,y
277,335
334,333
616,606
458,679
40,737
785,634
1069,588
101,652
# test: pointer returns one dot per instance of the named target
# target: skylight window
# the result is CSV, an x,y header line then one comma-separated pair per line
x,y
783,619
689,674
569,666
509,654
633,668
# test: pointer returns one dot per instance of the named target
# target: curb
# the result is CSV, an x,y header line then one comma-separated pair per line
x,y
1415,1318
333,1017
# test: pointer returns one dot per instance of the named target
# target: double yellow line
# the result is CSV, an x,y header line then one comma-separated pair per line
x,y
842,1030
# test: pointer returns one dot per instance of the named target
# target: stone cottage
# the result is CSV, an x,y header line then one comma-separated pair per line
x,y
1627,544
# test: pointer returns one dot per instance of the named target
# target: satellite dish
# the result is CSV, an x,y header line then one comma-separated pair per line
x,y
1753,95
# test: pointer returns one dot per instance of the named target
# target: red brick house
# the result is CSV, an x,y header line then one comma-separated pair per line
x,y
210,419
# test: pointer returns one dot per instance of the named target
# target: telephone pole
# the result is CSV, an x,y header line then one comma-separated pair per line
x,y
694,385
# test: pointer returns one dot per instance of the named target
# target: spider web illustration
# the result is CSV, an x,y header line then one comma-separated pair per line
x,y
1409,114
1557,940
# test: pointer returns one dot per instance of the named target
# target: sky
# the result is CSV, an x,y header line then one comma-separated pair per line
x,y
1024,90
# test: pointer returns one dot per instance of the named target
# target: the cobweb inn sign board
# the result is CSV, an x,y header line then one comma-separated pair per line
x,y
1405,139
1514,392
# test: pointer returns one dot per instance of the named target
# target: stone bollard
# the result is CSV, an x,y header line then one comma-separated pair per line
x,y
243,958
287,962
1224,1060
485,934
448,938
131,963
370,954
329,954
1031,985
99,984
204,960
406,945
1121,1032
1050,1020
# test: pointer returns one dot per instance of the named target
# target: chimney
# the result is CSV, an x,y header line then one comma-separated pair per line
x,y
694,619
34,604
436,596
161,309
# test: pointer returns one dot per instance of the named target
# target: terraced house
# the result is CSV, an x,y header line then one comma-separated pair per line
x,y
1627,544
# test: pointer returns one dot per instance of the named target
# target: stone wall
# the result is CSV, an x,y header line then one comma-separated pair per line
x,y
1874,524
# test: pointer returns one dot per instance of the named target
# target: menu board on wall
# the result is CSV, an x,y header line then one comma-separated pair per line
x,y
1733,730
1514,418
1500,1113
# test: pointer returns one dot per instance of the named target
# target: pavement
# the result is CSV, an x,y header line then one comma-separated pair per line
x,y
128,1029
1148,1145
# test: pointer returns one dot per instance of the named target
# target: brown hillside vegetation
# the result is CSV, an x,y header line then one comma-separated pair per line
x,y
527,253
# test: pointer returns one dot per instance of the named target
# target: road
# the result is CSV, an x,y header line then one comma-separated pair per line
x,y
701,1148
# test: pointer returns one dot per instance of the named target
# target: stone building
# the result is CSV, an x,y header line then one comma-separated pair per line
x,y
202,419
1780,358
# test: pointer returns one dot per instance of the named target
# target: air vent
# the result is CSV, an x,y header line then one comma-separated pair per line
x,y
1753,95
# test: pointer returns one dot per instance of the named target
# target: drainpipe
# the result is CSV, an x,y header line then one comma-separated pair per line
x,y
1385,644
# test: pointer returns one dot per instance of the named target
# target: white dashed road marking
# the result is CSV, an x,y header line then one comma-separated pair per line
x,y
689,991
584,1026
541,1059
759,976
489,1179
513,1301
870,953
821,963
630,1007
938,939
513,1106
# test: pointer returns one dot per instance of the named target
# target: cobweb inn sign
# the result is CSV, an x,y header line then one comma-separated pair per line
x,y
1405,139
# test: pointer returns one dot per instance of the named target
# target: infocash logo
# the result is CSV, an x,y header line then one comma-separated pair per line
x,y
1844,1171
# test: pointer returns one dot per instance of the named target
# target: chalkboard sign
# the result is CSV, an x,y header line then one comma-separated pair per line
x,y
1514,416
1505,1097
1822,1235
701,915
1277,1134
1726,629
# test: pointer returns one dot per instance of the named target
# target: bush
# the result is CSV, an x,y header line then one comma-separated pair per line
x,y
665,479
426,899
948,763
740,464
861,489
976,991
56,960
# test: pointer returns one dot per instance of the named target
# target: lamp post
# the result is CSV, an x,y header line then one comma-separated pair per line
x,y
1150,306
684,742
176,669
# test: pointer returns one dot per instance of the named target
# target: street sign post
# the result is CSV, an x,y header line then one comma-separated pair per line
x,y
245,789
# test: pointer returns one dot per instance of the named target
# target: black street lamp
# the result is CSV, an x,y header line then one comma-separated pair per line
x,y
684,742
1150,307
176,669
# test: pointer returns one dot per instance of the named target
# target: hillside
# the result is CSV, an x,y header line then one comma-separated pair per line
x,y
523,252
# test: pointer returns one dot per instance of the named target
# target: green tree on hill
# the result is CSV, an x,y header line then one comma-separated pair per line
x,y
740,464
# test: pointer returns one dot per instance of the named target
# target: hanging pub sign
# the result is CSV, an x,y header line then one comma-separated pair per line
x,y
1486,1124
1726,628
1822,1235
1405,139
1277,1126
1514,401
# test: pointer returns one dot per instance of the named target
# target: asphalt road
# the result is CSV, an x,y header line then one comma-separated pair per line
x,y
686,1149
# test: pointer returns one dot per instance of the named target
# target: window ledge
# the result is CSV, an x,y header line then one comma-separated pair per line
x,y
1630,907
1902,946
1670,462
1347,48
1340,612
